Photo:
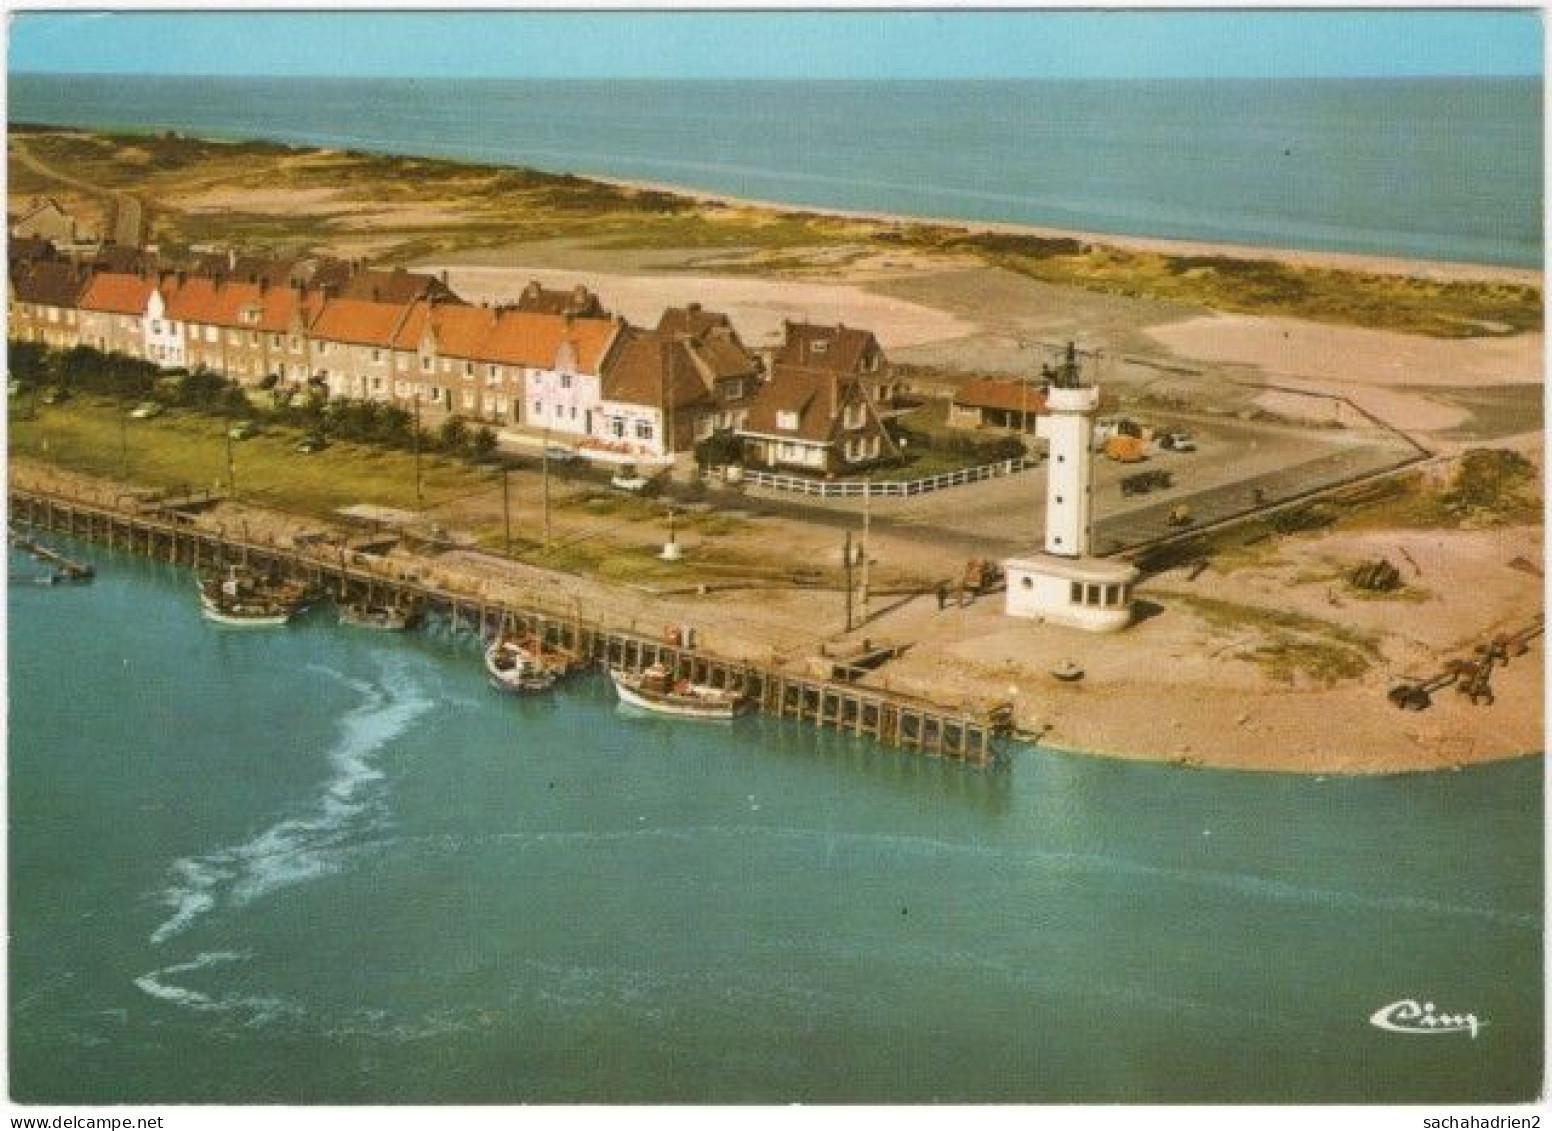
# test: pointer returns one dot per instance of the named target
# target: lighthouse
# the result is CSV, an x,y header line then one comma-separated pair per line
x,y
1063,583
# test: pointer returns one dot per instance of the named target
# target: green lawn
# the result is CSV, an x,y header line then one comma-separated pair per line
x,y
187,450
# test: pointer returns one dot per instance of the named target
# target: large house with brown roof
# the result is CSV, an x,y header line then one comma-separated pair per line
x,y
842,350
817,421
731,372
654,398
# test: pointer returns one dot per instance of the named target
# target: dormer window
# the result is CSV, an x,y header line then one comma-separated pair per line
x,y
787,420
818,347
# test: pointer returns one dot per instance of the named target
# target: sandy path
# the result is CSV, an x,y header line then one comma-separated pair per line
x,y
757,307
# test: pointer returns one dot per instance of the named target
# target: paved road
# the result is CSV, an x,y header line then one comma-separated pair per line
x,y
1001,517
128,214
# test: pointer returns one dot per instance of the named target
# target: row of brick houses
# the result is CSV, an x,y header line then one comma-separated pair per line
x,y
555,362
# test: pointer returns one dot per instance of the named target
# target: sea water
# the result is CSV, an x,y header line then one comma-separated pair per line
x,y
322,864
1447,168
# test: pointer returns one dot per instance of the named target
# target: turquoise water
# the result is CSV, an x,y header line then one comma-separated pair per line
x,y
318,864
1435,168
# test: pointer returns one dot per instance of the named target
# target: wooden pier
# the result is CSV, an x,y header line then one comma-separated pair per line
x,y
65,570
885,716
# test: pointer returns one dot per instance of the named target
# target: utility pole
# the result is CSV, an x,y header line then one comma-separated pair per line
x,y
506,506
420,498
123,445
846,557
231,463
867,527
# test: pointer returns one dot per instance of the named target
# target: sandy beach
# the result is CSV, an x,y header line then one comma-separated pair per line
x,y
1338,260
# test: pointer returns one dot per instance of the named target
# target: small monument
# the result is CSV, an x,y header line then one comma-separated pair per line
x,y
1063,584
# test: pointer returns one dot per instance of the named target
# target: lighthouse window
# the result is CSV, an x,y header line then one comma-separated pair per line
x,y
1061,458
1027,582
1058,499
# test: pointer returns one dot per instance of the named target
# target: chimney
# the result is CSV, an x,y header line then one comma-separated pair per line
x,y
694,308
444,276
263,284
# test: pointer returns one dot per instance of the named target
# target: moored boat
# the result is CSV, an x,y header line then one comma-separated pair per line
x,y
244,600
517,669
654,689
385,618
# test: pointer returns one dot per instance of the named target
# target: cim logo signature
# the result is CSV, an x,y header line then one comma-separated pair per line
x,y
1407,1016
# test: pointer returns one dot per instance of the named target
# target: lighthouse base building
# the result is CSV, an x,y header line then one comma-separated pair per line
x,y
1088,593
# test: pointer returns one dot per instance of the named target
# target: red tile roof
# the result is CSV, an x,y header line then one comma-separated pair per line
x,y
213,302
507,337
654,369
358,322
1009,396
114,293
836,349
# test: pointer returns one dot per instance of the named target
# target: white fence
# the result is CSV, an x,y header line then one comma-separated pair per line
x,y
883,488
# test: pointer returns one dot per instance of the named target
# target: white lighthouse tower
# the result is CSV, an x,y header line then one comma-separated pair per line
x,y
1064,584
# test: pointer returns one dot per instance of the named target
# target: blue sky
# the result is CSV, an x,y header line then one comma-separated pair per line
x,y
895,44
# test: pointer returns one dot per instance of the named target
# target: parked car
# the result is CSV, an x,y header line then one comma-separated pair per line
x,y
242,430
629,479
1177,442
145,410
559,453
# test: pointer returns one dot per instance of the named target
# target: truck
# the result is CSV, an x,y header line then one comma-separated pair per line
x,y
1124,449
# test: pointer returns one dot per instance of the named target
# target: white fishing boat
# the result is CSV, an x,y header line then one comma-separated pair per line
x,y
243,600
654,689
517,669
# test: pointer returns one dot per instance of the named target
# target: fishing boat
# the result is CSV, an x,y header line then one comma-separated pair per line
x,y
245,600
654,689
384,618
518,669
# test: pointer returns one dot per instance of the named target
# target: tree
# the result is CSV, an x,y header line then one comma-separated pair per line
x,y
483,444
719,450
30,362
396,426
454,434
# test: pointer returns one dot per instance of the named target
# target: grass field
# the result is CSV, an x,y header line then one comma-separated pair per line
x,y
185,450
407,209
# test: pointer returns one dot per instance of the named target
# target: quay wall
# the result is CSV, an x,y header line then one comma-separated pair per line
x,y
166,533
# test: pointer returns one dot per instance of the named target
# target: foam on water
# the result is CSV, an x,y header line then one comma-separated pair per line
x,y
300,849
